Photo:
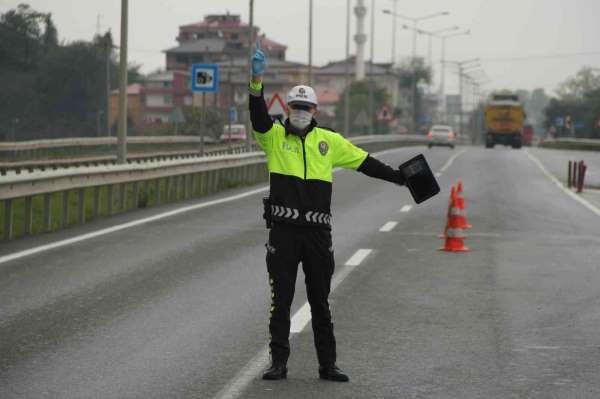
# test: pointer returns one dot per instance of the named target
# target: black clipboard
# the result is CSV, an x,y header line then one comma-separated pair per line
x,y
419,179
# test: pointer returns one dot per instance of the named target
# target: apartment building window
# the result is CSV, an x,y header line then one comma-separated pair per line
x,y
168,99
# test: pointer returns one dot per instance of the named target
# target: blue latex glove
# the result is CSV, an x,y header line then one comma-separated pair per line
x,y
259,62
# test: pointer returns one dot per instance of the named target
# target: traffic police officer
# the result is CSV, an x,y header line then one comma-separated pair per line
x,y
301,157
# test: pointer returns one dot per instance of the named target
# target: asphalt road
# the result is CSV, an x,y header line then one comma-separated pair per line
x,y
178,307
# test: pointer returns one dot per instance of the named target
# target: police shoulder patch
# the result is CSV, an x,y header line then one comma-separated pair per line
x,y
323,147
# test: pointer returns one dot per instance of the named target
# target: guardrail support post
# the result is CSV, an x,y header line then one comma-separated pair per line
x,y
168,185
8,219
28,215
81,206
194,184
47,212
65,209
122,197
96,202
569,176
186,186
157,191
176,187
136,194
109,198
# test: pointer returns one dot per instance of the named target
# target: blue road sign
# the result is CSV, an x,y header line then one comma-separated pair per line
x,y
559,121
205,78
232,114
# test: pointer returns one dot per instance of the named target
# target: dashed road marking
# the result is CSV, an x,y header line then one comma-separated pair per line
x,y
438,174
451,160
389,226
358,257
406,208
571,194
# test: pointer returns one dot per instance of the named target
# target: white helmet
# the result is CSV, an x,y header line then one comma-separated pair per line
x,y
302,94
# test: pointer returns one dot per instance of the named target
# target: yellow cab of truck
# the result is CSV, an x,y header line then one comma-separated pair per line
x,y
504,120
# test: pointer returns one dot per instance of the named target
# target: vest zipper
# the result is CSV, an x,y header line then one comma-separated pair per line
x,y
304,155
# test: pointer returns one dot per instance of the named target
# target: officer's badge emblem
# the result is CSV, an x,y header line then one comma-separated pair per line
x,y
323,148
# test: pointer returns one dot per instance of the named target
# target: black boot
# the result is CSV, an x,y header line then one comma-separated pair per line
x,y
332,373
277,371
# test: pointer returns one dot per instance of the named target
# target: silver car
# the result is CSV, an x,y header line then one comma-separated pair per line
x,y
441,135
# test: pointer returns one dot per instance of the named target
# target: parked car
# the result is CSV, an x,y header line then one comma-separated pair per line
x,y
441,135
238,132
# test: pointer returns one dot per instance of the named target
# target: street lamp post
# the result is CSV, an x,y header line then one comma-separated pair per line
x,y
415,21
443,72
347,73
310,42
371,81
122,129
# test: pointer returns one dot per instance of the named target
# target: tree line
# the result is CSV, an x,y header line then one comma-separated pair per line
x,y
577,103
53,89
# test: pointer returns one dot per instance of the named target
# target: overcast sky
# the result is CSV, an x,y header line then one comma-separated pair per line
x,y
507,29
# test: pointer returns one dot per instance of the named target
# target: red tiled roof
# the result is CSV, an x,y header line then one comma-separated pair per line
x,y
271,44
327,96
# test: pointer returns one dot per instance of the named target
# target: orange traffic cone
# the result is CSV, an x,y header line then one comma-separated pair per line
x,y
460,204
453,233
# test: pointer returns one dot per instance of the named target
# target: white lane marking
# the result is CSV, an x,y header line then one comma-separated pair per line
x,y
451,160
406,208
98,233
389,226
300,319
438,174
570,193
358,257
236,386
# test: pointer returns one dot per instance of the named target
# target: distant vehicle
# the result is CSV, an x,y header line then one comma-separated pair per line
x,y
238,132
441,135
528,135
504,119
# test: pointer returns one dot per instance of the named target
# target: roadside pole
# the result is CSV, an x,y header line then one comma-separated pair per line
x,y
108,48
250,55
122,132
371,81
204,124
347,74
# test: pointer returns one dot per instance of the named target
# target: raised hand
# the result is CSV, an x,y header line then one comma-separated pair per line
x,y
259,62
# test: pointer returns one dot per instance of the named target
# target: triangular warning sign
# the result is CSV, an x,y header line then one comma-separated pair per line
x,y
276,106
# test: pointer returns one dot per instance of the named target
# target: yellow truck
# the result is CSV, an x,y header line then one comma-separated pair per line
x,y
504,120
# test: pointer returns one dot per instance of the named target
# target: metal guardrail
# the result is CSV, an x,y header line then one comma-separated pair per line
x,y
569,143
89,192
30,165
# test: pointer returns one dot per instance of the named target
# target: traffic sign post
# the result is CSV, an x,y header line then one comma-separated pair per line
x,y
205,78
233,114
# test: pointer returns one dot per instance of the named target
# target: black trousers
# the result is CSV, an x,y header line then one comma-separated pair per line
x,y
288,246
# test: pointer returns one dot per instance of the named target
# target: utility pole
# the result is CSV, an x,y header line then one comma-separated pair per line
x,y
371,81
122,132
107,49
310,42
347,73
251,54
394,34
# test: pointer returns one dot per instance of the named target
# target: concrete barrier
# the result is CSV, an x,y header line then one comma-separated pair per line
x,y
572,144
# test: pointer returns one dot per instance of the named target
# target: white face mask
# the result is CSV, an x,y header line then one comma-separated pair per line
x,y
300,119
